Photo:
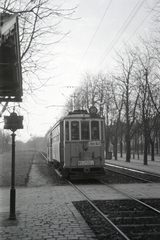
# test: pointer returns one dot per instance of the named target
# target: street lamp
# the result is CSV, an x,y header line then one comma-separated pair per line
x,y
13,122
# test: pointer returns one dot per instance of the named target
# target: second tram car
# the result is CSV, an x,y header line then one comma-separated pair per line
x,y
75,145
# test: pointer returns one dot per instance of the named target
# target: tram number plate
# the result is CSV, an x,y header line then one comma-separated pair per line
x,y
87,162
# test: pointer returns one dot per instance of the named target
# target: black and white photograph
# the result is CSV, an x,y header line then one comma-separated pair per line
x,y
80,119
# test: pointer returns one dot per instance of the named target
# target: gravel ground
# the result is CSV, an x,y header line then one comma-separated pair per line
x,y
132,173
115,178
43,174
135,220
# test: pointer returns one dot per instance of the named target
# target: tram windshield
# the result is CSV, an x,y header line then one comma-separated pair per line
x,y
85,130
67,130
75,130
95,130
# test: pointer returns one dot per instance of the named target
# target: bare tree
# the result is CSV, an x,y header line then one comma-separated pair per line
x,y
87,93
116,112
39,31
149,88
126,80
153,45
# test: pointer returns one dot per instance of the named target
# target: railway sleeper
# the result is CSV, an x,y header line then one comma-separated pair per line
x,y
136,220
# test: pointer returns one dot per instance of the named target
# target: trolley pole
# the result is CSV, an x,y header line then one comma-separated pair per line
x,y
12,215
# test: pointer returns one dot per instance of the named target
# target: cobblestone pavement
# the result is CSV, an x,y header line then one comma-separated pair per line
x,y
46,221
42,212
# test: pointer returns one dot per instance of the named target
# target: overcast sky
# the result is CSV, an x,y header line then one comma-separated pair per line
x,y
100,27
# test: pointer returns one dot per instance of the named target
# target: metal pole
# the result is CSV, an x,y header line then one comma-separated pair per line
x,y
12,215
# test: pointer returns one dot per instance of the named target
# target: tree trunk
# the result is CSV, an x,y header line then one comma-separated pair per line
x,y
107,146
133,148
152,151
145,151
138,150
142,145
121,148
115,148
128,150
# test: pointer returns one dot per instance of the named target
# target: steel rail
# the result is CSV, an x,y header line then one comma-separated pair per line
x,y
100,212
124,174
133,169
44,156
133,198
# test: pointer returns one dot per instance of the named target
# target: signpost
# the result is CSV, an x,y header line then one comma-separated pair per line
x,y
13,122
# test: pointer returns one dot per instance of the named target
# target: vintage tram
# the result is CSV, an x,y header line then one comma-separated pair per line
x,y
75,145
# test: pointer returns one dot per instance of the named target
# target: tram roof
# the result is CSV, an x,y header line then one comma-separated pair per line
x,y
77,114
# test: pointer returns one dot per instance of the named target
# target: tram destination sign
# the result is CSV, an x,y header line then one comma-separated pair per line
x,y
10,63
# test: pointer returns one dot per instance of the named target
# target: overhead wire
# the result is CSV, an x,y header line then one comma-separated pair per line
x,y
121,31
141,23
136,29
92,39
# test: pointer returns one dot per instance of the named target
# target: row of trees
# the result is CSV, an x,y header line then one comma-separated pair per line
x,y
5,140
33,144
128,98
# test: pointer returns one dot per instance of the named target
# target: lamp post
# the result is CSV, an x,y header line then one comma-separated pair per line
x,y
13,122
12,215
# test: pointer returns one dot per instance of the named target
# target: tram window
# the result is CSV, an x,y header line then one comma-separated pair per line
x,y
85,130
95,130
75,130
67,130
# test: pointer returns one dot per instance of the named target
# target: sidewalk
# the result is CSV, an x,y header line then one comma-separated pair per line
x,y
152,167
43,212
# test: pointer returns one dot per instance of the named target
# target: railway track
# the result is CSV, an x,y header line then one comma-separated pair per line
x,y
123,219
129,173
127,218
133,173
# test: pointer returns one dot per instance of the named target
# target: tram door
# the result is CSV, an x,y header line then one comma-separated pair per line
x,y
62,142
67,144
71,143
49,148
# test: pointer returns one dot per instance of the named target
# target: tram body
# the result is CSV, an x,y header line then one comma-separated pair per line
x,y
75,145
